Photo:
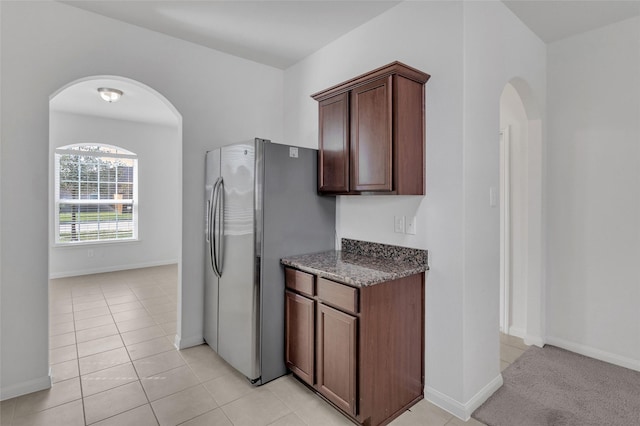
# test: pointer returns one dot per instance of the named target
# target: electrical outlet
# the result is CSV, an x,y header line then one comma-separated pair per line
x,y
398,224
90,253
293,152
410,225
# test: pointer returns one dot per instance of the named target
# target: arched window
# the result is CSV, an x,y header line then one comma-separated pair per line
x,y
96,194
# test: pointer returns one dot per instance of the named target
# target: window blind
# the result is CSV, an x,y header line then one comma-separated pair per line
x,y
95,193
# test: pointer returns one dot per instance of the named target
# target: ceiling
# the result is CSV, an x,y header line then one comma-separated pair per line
x,y
276,33
281,33
136,104
558,19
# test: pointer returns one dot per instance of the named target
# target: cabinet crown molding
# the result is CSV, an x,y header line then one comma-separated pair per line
x,y
395,67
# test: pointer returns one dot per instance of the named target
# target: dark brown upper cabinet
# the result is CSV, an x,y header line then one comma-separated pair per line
x,y
333,176
372,132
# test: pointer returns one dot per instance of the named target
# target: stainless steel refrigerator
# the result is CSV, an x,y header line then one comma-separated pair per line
x,y
261,205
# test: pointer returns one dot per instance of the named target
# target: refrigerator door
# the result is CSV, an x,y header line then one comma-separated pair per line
x,y
211,280
295,220
238,291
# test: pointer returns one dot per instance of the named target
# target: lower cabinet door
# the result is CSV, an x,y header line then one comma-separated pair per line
x,y
336,357
300,338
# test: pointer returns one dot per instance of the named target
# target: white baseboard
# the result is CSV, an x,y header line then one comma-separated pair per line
x,y
528,338
114,268
479,398
183,343
461,410
633,364
534,340
24,388
517,332
445,402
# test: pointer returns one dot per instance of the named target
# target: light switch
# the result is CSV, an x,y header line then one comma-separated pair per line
x,y
493,196
410,225
398,224
293,152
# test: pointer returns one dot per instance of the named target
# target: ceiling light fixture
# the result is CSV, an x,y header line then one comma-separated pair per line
x,y
110,95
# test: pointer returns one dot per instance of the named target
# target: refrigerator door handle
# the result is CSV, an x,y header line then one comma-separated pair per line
x,y
220,253
209,213
217,224
212,227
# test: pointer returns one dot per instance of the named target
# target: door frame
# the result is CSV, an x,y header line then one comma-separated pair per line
x,y
505,231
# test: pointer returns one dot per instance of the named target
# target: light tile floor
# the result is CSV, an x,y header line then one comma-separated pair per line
x,y
113,363
511,348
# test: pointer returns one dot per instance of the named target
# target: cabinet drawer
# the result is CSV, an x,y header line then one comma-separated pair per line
x,y
299,281
339,295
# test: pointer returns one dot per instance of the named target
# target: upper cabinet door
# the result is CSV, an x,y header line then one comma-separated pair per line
x,y
333,167
371,136
372,133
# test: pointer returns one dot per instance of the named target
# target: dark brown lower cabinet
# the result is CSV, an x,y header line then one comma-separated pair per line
x,y
363,351
336,357
391,350
299,332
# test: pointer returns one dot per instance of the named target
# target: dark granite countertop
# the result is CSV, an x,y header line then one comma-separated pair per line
x,y
361,264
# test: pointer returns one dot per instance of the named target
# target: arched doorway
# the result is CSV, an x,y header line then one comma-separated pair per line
x,y
115,223
521,256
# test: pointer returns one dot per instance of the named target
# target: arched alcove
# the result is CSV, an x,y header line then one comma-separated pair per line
x,y
142,126
522,287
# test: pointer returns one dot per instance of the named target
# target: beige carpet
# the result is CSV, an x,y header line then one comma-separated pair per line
x,y
554,387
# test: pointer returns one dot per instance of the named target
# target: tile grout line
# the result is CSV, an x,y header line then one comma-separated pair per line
x,y
78,356
134,367
219,406
144,391
116,414
286,405
119,333
285,415
73,315
130,361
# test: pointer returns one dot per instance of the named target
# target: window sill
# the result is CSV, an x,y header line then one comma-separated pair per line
x,y
96,243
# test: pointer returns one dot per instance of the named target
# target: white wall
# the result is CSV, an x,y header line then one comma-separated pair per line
x,y
498,48
471,51
427,36
46,45
159,151
514,117
593,231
